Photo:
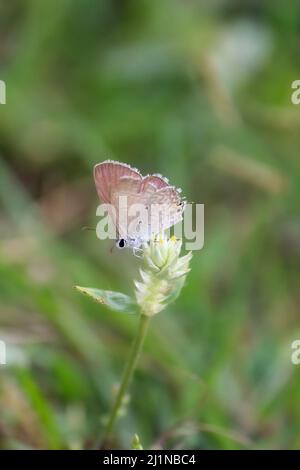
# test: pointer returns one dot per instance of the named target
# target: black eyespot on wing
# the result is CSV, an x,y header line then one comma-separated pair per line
x,y
121,243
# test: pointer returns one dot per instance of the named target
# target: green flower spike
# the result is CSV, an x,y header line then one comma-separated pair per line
x,y
163,275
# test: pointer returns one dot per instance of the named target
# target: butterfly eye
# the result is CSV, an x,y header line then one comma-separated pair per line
x,y
121,243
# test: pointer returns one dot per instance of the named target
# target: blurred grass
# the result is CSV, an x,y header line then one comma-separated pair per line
x,y
199,91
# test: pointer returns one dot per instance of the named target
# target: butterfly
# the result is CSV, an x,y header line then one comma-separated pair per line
x,y
160,204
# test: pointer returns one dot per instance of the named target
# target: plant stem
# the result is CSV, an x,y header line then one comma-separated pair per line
x,y
127,375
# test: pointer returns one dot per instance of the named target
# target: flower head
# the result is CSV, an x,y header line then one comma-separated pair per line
x,y
163,275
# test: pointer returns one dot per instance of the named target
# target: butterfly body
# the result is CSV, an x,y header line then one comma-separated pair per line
x,y
124,190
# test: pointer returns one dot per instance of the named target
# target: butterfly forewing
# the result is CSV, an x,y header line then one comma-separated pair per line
x,y
107,176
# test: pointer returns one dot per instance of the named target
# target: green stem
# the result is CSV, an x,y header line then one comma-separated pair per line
x,y
127,375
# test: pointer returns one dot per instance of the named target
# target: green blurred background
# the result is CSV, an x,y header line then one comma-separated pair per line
x,y
201,92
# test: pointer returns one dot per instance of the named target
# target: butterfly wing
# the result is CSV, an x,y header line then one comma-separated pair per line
x,y
167,209
107,177
151,183
160,209
113,179
164,206
136,194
